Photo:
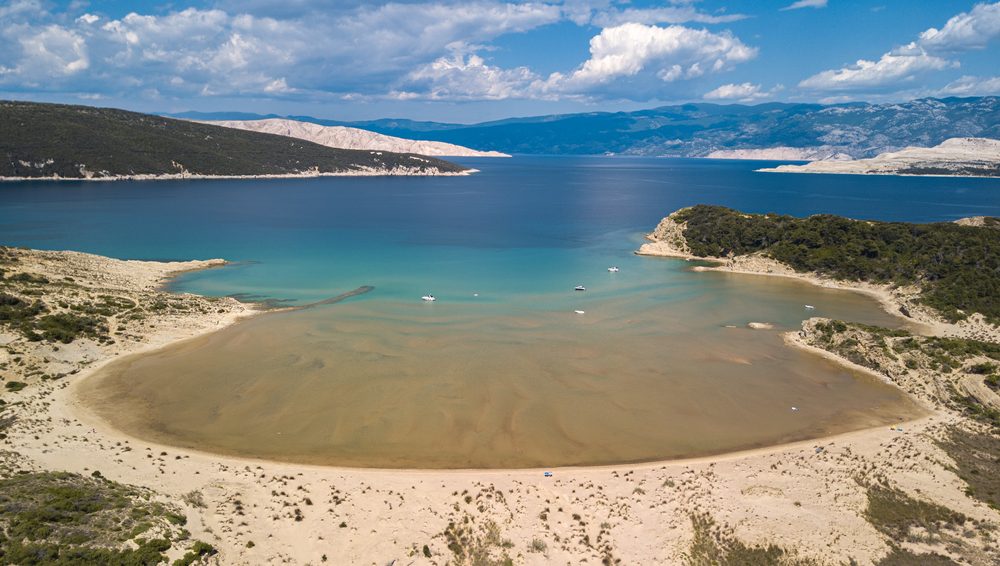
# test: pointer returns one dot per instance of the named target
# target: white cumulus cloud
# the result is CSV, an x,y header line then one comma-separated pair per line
x,y
806,4
52,52
664,15
631,56
971,86
461,77
350,49
743,92
305,48
968,30
889,71
931,51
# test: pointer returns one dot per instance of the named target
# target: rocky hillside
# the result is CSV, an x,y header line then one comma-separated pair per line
x,y
956,156
343,137
80,142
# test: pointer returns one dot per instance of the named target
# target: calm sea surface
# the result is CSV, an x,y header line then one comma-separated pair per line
x,y
499,372
527,224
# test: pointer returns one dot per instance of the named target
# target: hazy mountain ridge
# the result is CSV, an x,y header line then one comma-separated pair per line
x,y
58,141
956,156
696,130
345,137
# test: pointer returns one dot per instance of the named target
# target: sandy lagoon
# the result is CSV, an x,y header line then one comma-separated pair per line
x,y
656,374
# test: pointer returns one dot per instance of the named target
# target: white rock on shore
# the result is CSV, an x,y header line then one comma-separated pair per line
x,y
782,153
956,156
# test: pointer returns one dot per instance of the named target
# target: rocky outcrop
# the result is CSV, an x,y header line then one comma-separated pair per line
x,y
667,239
980,222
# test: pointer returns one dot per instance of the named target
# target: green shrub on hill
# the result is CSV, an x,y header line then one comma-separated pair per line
x,y
64,518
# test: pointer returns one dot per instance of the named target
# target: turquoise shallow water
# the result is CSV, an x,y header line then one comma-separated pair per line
x,y
523,227
499,372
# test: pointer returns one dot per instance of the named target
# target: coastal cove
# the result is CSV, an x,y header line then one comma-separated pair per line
x,y
520,225
503,263
636,379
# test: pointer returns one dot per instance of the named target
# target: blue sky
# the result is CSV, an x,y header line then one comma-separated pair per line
x,y
486,59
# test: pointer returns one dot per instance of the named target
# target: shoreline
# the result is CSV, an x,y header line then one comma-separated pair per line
x,y
801,494
871,173
82,412
895,301
305,175
79,409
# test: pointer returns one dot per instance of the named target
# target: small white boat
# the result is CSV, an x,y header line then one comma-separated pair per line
x,y
810,307
428,298
613,269
579,312
579,288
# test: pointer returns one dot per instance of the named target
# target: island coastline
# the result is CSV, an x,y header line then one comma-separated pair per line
x,y
304,175
667,241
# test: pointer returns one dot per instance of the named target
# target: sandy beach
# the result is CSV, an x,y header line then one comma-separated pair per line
x,y
808,498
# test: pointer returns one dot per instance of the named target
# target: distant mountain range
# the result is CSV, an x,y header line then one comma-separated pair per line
x,y
696,130
39,141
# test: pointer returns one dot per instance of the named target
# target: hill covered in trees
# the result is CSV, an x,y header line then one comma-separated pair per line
x,y
956,266
50,140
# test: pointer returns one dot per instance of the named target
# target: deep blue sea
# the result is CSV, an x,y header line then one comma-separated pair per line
x,y
520,227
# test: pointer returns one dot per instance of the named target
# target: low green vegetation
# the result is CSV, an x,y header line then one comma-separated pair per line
x,y
66,327
902,557
476,544
945,353
43,140
977,462
957,267
199,551
15,310
985,171
68,519
712,546
903,518
29,317
884,350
